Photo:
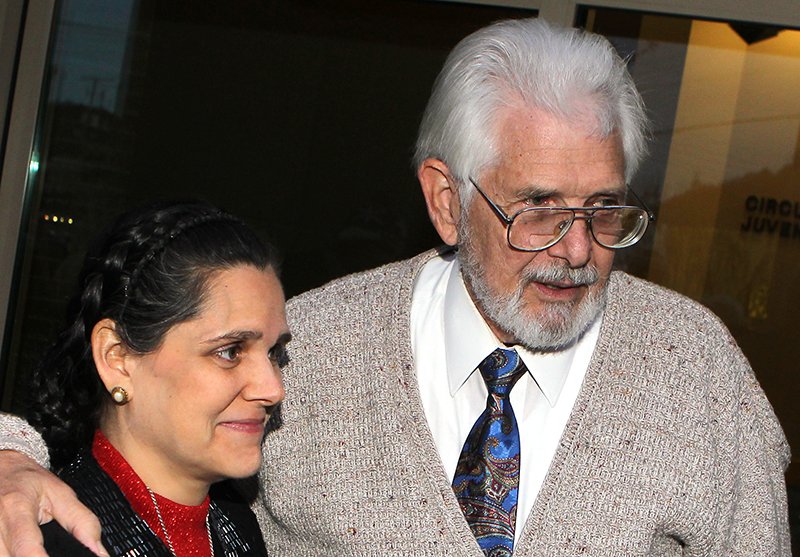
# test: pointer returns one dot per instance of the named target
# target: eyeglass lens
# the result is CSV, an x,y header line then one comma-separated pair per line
x,y
613,227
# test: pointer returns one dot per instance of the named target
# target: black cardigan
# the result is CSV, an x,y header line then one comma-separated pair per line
x,y
234,528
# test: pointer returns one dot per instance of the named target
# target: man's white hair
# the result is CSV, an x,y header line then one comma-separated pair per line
x,y
562,71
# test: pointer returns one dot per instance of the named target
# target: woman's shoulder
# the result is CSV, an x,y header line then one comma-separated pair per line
x,y
60,543
229,497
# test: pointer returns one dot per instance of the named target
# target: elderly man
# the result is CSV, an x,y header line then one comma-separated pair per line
x,y
509,394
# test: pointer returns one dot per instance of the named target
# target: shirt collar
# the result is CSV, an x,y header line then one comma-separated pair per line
x,y
467,337
468,340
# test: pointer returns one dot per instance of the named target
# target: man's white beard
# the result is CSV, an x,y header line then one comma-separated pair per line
x,y
557,325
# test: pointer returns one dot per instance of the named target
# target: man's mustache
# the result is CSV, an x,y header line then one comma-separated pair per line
x,y
557,274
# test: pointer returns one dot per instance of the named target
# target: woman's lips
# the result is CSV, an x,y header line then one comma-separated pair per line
x,y
245,426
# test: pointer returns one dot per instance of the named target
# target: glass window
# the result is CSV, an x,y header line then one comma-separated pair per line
x,y
299,116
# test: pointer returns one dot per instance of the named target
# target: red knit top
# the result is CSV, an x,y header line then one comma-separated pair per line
x,y
186,524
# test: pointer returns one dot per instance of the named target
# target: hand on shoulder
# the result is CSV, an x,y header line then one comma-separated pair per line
x,y
31,495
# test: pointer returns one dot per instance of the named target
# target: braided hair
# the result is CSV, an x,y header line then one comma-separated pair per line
x,y
147,273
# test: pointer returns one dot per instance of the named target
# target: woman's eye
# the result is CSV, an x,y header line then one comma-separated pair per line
x,y
229,353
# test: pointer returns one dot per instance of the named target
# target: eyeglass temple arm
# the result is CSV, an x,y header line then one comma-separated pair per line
x,y
497,210
650,215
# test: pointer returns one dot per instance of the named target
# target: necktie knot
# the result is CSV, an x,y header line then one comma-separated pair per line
x,y
500,370
486,481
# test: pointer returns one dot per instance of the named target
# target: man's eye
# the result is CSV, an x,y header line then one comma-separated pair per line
x,y
539,201
279,355
229,353
607,202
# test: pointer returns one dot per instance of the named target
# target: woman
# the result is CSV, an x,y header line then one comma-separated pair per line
x,y
163,381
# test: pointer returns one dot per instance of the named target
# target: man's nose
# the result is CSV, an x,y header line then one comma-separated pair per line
x,y
576,245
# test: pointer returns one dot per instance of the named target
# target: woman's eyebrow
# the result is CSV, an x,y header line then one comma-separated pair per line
x,y
236,335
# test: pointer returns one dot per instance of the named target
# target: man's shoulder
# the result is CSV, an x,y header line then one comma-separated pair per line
x,y
392,279
636,305
637,294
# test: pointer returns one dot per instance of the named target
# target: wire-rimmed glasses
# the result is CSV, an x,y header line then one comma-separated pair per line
x,y
538,228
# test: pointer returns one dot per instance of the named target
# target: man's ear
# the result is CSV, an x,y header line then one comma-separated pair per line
x,y
111,356
441,197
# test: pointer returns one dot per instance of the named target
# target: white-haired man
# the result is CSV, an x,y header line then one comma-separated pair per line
x,y
510,394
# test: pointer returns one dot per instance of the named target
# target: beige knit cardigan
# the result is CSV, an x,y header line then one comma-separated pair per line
x,y
672,447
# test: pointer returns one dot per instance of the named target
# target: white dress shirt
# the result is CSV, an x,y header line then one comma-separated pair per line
x,y
449,338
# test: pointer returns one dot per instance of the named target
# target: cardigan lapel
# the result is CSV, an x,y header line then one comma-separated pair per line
x,y
426,468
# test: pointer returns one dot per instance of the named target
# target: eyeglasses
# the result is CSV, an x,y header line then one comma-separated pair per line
x,y
538,228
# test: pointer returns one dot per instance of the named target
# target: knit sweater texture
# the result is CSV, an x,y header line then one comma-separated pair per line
x,y
672,449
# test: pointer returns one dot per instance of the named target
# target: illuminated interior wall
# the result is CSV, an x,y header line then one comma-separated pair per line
x,y
754,278
698,156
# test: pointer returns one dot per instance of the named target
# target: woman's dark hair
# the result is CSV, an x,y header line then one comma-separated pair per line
x,y
147,273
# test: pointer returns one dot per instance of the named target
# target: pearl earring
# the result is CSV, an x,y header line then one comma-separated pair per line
x,y
119,396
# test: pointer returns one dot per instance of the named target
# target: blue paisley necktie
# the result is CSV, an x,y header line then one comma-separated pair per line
x,y
487,476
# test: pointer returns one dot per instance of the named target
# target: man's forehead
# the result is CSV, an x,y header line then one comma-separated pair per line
x,y
569,194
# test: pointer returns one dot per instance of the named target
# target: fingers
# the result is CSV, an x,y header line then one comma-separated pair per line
x,y
19,507
19,526
73,516
29,496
